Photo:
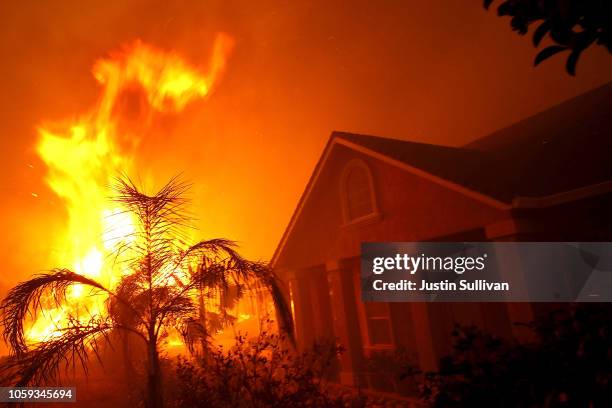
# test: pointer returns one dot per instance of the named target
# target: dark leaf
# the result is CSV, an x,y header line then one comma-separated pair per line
x,y
561,34
547,53
504,9
540,32
572,60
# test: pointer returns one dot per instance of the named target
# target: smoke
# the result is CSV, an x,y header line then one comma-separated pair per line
x,y
419,70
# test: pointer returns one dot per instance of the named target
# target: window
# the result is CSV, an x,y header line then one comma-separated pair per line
x,y
375,322
357,191
379,324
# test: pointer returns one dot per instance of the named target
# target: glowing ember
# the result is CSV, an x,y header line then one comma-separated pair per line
x,y
84,157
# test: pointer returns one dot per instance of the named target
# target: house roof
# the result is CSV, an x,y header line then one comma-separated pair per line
x,y
561,154
564,148
458,165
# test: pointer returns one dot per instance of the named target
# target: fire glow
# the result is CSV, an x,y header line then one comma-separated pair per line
x,y
83,158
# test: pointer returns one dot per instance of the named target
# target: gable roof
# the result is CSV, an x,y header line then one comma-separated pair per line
x,y
557,155
457,165
584,116
564,148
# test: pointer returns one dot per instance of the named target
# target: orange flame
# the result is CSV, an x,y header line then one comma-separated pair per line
x,y
83,158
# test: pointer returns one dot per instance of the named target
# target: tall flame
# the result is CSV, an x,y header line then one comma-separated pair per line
x,y
84,156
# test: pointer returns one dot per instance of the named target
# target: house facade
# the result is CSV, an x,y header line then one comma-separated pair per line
x,y
547,178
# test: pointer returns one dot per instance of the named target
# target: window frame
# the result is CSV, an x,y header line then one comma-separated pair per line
x,y
364,322
344,195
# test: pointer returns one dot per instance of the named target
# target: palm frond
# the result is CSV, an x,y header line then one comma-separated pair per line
x,y
162,213
25,300
192,332
281,306
161,224
247,275
212,251
282,309
48,359
130,303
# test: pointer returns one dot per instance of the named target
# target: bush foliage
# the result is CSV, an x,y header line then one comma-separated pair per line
x,y
258,372
569,364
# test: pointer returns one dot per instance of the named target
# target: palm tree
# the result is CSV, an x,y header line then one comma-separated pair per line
x,y
163,292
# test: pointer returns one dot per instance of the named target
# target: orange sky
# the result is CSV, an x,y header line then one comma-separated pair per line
x,y
440,72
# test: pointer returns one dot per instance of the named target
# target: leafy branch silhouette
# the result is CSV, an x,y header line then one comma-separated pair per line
x,y
572,26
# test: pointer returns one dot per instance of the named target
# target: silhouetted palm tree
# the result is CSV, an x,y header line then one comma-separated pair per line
x,y
162,292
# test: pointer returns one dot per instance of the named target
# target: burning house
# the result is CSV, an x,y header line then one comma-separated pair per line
x,y
546,178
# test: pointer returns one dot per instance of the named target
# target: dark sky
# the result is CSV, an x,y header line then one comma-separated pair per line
x,y
434,71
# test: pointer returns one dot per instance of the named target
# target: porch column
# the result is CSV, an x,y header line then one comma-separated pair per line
x,y
283,282
515,230
345,320
302,310
424,336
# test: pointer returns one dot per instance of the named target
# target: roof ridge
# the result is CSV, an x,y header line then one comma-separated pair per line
x,y
354,137
483,143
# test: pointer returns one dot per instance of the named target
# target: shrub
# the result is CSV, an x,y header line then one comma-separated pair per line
x,y
260,372
392,371
568,364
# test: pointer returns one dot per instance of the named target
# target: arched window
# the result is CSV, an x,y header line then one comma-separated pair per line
x,y
357,189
